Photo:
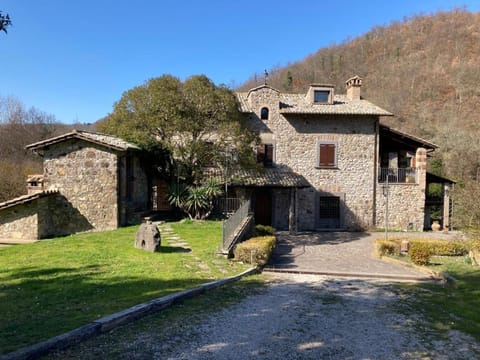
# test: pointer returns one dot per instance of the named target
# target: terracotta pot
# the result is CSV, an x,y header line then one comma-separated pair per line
x,y
435,226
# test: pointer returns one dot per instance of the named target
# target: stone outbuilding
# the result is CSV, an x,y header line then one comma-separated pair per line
x,y
90,182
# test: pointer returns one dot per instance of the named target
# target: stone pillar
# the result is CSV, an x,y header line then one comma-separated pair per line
x,y
292,216
421,162
446,206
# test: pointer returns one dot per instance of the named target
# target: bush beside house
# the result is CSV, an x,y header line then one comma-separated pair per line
x,y
422,249
256,250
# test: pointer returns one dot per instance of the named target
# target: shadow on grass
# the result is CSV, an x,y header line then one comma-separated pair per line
x,y
296,329
174,249
453,306
38,304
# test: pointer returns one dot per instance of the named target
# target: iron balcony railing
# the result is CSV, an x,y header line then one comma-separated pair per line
x,y
232,224
397,175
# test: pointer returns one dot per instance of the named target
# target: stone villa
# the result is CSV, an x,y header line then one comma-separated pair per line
x,y
328,165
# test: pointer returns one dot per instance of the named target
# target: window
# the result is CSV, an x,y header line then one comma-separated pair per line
x,y
321,96
326,155
264,113
329,212
329,207
265,155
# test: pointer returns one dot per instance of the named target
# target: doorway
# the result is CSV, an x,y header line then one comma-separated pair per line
x,y
263,207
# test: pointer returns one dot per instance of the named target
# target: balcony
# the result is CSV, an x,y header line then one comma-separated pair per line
x,y
397,175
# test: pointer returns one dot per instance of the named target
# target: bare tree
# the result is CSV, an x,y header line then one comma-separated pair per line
x,y
4,22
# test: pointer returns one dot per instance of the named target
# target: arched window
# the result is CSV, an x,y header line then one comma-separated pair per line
x,y
264,113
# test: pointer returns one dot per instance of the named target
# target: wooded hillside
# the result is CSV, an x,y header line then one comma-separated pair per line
x,y
425,70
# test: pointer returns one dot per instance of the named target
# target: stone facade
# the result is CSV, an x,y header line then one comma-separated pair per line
x,y
296,126
295,139
406,202
87,175
20,222
91,182
106,186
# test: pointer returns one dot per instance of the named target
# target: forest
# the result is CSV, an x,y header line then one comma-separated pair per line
x,y
424,69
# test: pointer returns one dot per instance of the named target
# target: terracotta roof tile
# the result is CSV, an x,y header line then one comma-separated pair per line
x,y
299,104
97,138
26,198
268,177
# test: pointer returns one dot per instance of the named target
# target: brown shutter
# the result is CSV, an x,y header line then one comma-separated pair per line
x,y
261,153
327,155
268,155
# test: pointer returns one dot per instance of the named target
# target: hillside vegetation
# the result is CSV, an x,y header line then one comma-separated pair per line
x,y
426,70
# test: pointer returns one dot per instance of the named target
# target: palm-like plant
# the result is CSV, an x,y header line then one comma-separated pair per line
x,y
195,201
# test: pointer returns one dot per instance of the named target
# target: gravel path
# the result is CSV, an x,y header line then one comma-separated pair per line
x,y
313,317
293,317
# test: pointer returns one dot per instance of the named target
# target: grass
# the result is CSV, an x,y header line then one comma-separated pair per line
x,y
453,306
53,286
130,340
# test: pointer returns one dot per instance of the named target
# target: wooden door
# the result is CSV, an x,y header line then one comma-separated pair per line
x,y
263,207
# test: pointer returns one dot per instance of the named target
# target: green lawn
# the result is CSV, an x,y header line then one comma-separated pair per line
x,y
53,286
453,306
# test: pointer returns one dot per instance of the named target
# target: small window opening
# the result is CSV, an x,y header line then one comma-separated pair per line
x,y
265,155
264,113
321,96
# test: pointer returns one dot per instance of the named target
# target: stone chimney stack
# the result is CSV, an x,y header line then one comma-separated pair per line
x,y
353,87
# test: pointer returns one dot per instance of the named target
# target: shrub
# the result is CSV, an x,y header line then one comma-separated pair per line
x,y
449,248
387,247
264,230
257,250
437,247
420,253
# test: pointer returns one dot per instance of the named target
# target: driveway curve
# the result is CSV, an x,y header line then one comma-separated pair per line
x,y
348,254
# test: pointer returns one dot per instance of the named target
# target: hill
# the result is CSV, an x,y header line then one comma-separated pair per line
x,y
424,69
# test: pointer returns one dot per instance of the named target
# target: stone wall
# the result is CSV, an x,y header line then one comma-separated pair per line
x,y
48,215
406,202
86,175
20,222
295,141
406,206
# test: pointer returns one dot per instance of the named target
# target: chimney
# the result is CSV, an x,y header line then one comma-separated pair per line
x,y
34,184
353,87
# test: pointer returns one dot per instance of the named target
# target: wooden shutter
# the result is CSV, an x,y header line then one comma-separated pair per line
x,y
327,155
265,154
261,153
268,162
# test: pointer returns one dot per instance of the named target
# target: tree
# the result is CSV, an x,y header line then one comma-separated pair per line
x,y
194,122
4,22
19,127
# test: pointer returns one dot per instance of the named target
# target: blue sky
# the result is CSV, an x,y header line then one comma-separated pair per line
x,y
74,59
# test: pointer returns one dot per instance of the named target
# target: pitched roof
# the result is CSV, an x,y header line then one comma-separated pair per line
x,y
26,198
388,131
299,104
109,141
267,177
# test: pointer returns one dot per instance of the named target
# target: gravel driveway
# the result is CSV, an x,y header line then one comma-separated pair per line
x,y
295,317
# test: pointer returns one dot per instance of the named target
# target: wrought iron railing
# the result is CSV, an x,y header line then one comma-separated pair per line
x,y
397,175
232,224
227,205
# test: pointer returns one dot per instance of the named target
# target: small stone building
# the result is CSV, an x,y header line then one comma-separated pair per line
x,y
90,182
353,169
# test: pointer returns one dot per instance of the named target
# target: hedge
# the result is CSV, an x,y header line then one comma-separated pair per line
x,y
437,247
257,250
420,253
